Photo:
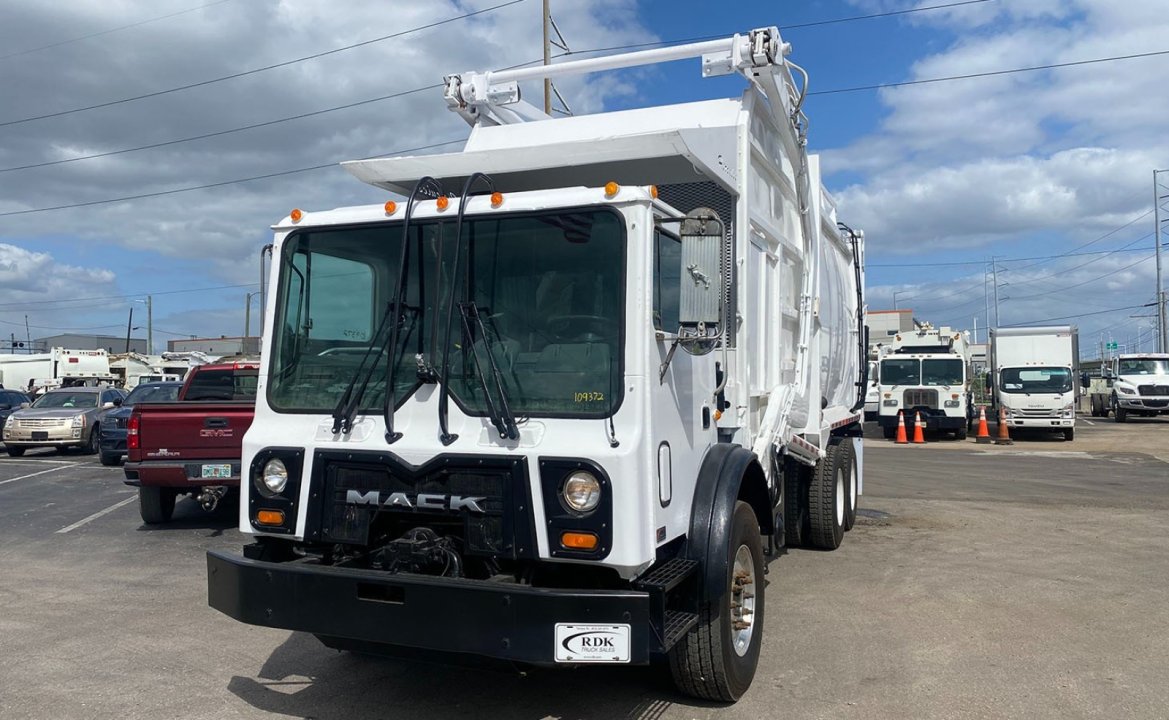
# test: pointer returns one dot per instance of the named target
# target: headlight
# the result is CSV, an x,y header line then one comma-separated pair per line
x,y
79,420
274,478
1125,390
582,491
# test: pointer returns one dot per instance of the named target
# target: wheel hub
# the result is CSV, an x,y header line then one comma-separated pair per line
x,y
742,597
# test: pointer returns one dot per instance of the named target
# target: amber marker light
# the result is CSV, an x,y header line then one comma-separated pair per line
x,y
391,207
578,540
611,188
442,202
269,517
296,215
496,199
653,191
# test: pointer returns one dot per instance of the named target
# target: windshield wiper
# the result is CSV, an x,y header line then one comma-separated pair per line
x,y
429,187
445,435
347,406
501,417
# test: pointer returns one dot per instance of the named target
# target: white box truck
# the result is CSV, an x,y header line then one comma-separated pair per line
x,y
1140,385
925,373
547,408
55,368
1035,376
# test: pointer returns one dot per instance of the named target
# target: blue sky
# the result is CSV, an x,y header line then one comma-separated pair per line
x,y
1027,165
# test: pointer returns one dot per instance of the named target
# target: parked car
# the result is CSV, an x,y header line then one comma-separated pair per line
x,y
10,402
113,429
63,418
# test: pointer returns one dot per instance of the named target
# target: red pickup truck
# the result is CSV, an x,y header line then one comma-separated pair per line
x,y
192,446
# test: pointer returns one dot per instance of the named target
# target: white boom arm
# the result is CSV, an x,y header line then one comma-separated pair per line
x,y
494,97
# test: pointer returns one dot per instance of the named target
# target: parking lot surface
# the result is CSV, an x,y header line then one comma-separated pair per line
x,y
981,581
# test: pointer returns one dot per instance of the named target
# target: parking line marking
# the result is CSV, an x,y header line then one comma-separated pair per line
x,y
97,514
1089,422
42,472
36,461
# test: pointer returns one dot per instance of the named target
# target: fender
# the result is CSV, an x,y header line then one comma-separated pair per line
x,y
720,480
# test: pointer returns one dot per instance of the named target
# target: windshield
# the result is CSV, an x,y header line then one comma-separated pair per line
x,y
548,287
1036,380
1148,366
66,400
902,371
152,393
947,371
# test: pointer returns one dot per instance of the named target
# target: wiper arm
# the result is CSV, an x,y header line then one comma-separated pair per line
x,y
347,405
501,417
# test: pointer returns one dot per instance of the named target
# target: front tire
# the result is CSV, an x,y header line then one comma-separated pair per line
x,y
91,445
718,658
1069,434
1121,413
156,505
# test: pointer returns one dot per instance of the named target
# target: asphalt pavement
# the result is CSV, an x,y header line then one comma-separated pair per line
x,y
984,582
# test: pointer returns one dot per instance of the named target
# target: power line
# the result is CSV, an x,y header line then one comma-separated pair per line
x,y
990,73
1086,282
262,69
1102,237
206,186
111,30
1003,260
1080,315
41,303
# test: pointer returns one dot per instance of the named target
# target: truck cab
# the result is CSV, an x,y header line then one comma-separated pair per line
x,y
925,373
1140,385
1035,375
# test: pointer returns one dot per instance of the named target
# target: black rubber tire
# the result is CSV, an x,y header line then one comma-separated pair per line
x,y
156,505
92,445
796,525
1121,413
110,460
1069,434
828,481
961,433
704,664
889,431
15,451
847,459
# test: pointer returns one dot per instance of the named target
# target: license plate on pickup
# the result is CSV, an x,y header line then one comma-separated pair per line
x,y
216,471
592,643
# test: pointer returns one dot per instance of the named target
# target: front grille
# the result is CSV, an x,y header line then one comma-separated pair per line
x,y
1153,389
42,423
1035,412
920,397
1156,403
493,532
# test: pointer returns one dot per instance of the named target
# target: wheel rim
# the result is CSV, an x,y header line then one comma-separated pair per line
x,y
840,496
743,601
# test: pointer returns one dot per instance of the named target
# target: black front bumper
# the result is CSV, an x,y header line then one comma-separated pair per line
x,y
507,622
928,421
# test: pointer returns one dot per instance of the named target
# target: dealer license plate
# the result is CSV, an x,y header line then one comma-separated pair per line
x,y
216,471
592,643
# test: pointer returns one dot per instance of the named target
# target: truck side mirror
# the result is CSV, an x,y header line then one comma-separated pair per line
x,y
117,402
701,289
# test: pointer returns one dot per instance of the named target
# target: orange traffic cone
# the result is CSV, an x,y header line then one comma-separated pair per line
x,y
983,436
901,439
918,432
1004,437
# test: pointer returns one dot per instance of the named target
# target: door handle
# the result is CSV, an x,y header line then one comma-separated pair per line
x,y
215,422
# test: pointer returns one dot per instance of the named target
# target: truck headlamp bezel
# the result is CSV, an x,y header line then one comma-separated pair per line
x,y
284,500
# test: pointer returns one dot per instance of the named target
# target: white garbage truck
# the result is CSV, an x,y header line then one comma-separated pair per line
x,y
1140,385
562,404
924,375
1034,377
58,367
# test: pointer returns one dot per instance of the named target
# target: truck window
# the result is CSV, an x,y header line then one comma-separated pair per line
x,y
1036,380
901,371
667,278
224,384
1143,366
942,371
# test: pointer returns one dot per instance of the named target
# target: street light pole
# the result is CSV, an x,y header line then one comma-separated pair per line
x,y
1162,340
248,314
994,272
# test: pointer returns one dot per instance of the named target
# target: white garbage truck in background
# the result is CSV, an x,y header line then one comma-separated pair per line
x,y
58,367
1035,376
559,405
1140,385
925,373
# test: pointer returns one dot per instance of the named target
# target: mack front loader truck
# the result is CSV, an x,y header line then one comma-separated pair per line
x,y
563,403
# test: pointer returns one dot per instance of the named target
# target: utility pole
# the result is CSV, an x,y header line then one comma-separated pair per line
x,y
986,302
27,337
149,325
1162,340
129,327
994,272
547,17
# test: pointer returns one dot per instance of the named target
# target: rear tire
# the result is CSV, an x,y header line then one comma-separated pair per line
x,y
717,659
847,453
156,505
795,506
827,500
110,460
15,451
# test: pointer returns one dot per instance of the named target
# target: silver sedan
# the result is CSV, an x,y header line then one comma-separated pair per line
x,y
68,417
